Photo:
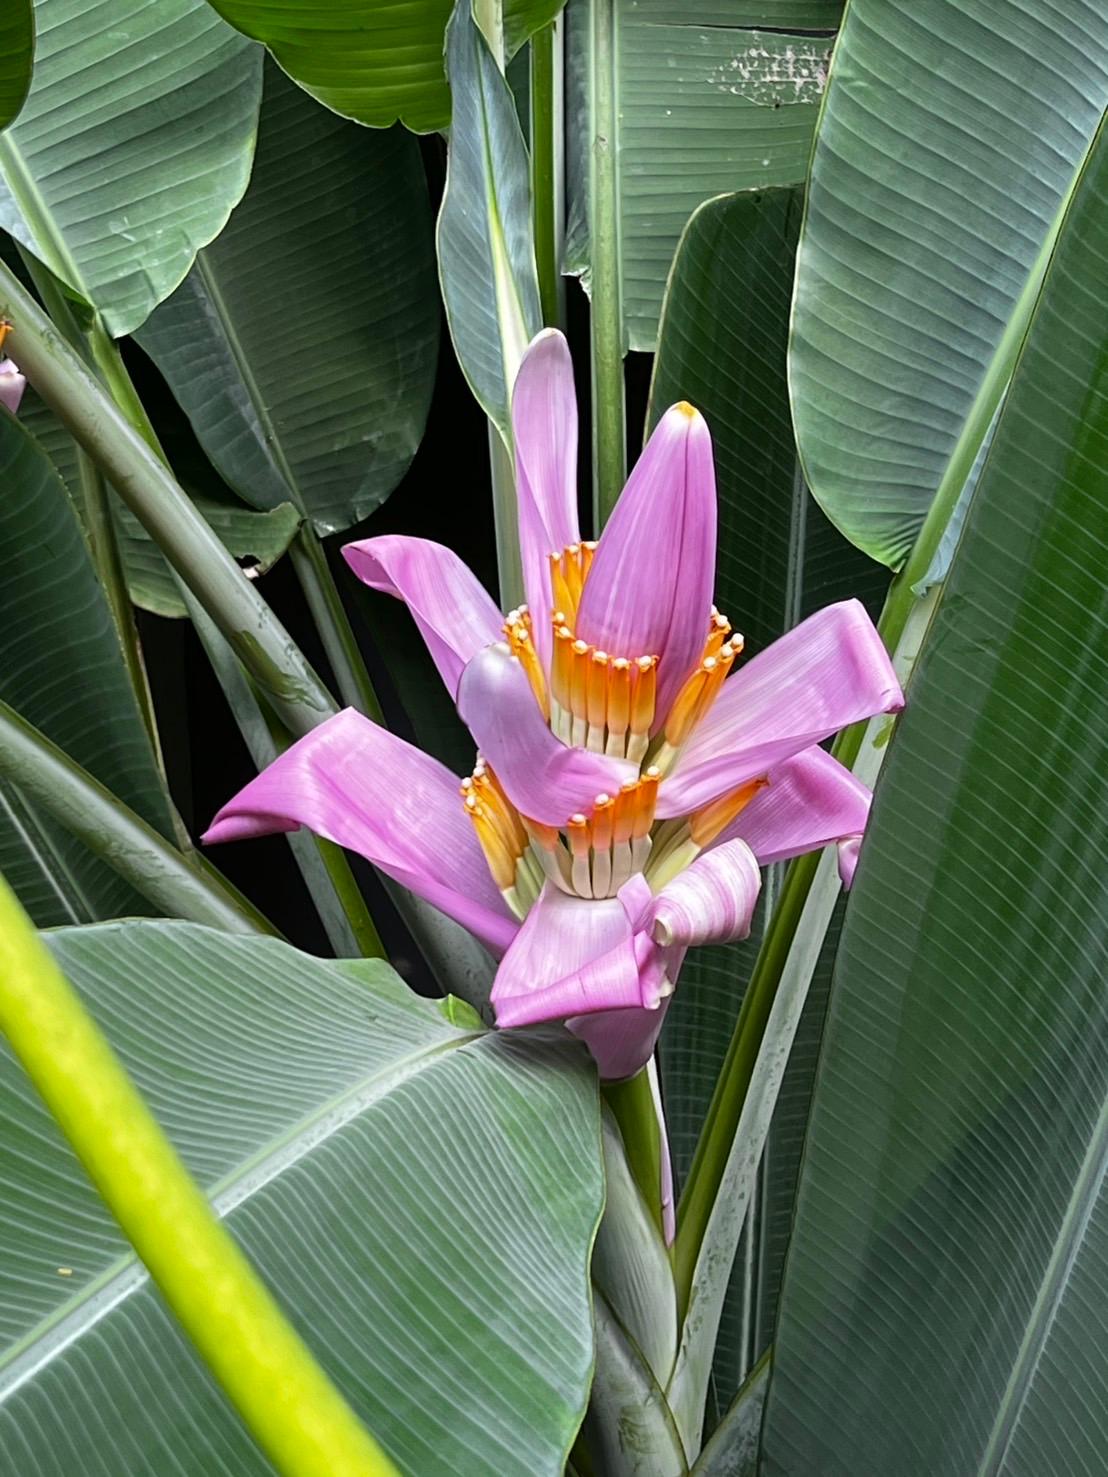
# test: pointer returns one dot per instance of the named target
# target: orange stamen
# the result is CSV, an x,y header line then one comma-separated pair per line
x,y
602,817
645,693
559,586
562,673
626,804
597,696
706,824
646,797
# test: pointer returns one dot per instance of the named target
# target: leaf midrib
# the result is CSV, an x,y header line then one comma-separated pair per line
x,y
53,1334
238,354
48,237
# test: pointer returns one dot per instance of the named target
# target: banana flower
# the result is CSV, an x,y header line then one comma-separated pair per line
x,y
632,777
12,384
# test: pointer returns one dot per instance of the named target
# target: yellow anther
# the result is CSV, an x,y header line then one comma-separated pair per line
x,y
644,693
597,703
579,691
588,549
559,587
5,329
623,822
602,817
619,695
706,824
571,568
562,666
517,628
646,797
686,705
501,863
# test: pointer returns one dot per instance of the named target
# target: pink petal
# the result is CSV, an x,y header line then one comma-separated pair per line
x,y
360,786
544,427
711,901
449,604
811,801
621,1041
649,591
12,385
849,848
586,963
545,779
829,671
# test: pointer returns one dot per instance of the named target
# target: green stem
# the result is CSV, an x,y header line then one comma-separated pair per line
x,y
182,887
609,430
324,867
309,560
721,1120
220,1301
99,525
350,897
505,511
545,173
144,483
633,1107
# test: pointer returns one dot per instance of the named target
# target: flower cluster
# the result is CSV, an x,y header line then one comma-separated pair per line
x,y
624,794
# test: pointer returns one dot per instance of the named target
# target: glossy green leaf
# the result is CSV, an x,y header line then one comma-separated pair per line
x,y
372,62
951,1230
722,346
950,135
116,200
420,1195
719,97
17,44
303,343
485,241
62,669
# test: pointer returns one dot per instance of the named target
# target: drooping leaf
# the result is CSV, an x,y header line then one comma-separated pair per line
x,y
722,346
715,98
376,63
950,135
951,1227
257,539
17,44
62,669
420,1195
485,240
302,345
117,198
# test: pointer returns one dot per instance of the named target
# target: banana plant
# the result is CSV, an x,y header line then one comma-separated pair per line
x,y
737,865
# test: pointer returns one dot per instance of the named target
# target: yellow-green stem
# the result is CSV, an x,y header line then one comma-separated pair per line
x,y
294,1412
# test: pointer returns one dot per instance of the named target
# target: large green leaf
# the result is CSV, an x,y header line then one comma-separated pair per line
x,y
62,669
951,1229
421,1196
950,133
485,239
302,345
372,62
17,44
720,97
133,146
722,346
